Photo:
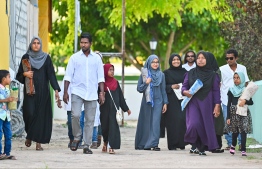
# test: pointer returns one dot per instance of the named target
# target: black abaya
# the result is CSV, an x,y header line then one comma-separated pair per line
x,y
109,125
174,118
37,109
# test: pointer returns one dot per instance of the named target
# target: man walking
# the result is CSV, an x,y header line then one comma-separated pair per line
x,y
189,61
84,72
227,73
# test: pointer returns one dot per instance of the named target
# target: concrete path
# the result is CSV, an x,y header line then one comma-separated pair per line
x,y
57,155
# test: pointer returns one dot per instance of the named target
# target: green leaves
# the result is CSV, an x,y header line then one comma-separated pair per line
x,y
191,24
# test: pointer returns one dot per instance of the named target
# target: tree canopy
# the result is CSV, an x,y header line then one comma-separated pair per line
x,y
244,34
177,25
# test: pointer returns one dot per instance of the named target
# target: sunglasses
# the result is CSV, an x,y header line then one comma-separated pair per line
x,y
231,58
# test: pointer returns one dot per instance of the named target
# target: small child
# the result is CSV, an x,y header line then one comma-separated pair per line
x,y
237,123
5,116
109,125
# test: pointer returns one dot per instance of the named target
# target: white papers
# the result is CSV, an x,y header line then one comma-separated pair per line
x,y
178,92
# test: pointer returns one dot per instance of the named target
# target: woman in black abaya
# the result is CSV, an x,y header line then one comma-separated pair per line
x,y
37,109
174,118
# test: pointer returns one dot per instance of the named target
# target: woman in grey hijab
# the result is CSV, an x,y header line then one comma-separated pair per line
x,y
148,125
37,110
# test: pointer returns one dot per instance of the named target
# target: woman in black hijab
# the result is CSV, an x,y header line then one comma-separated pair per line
x,y
174,118
204,105
37,109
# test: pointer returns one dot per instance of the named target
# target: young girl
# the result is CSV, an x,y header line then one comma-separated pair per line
x,y
148,125
109,125
238,124
5,117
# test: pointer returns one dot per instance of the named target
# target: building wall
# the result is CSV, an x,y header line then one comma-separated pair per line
x,y
18,32
133,100
4,36
44,22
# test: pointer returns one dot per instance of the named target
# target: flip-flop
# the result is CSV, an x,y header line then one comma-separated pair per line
x,y
2,156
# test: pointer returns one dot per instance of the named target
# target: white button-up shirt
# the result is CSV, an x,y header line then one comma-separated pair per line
x,y
227,80
187,67
84,73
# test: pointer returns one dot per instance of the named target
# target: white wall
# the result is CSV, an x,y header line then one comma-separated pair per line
x,y
133,100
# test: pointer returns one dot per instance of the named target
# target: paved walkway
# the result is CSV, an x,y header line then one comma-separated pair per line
x,y
57,155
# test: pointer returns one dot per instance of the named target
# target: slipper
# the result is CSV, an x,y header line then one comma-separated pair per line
x,y
2,156
74,145
104,149
227,148
38,147
28,143
10,157
111,151
156,149
86,150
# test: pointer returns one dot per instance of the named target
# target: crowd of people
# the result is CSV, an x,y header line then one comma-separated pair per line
x,y
92,96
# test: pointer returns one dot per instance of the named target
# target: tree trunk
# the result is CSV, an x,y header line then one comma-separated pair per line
x,y
169,48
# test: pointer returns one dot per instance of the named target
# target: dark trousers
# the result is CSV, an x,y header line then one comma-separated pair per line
x,y
243,140
219,141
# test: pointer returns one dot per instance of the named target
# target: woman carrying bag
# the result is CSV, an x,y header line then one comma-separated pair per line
x,y
109,125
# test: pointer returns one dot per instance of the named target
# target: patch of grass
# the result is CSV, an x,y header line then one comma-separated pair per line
x,y
250,157
251,141
64,125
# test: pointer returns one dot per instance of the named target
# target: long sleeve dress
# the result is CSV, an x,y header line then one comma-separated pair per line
x,y
109,125
238,124
200,118
174,118
148,125
37,109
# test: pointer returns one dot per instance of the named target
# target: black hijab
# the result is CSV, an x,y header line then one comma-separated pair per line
x,y
206,74
175,73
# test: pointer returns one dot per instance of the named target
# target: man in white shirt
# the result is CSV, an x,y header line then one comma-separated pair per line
x,y
227,73
84,72
189,60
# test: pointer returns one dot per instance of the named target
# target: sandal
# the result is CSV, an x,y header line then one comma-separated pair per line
x,y
38,147
227,148
10,157
2,156
111,151
86,150
202,153
156,149
232,150
104,149
28,143
74,145
195,151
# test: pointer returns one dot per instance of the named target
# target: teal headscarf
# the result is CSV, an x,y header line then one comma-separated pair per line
x,y
237,90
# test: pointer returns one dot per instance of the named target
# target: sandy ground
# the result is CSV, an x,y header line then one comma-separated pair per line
x,y
57,155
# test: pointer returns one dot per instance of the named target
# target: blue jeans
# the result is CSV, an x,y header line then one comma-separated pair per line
x,y
69,124
94,137
99,130
228,136
5,127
